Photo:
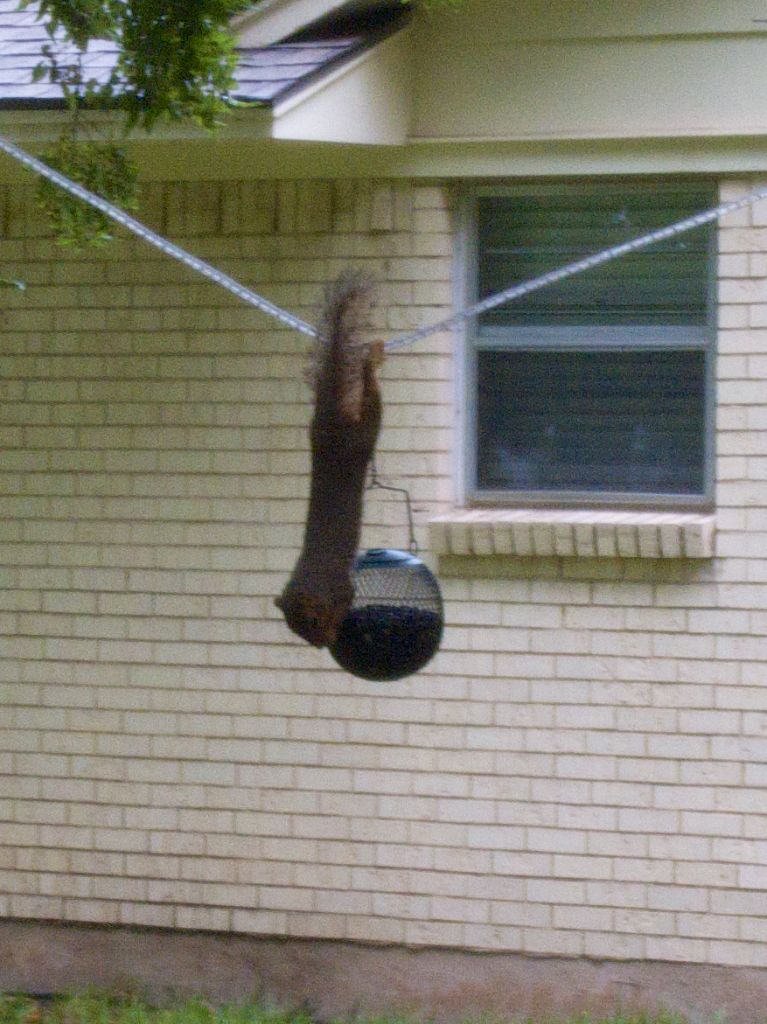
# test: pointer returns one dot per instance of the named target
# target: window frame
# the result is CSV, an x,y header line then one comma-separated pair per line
x,y
523,338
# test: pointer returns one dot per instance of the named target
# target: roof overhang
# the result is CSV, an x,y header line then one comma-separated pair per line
x,y
365,100
340,73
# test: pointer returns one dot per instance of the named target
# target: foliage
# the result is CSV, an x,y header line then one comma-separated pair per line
x,y
175,59
81,20
102,167
93,1007
16,1009
100,1008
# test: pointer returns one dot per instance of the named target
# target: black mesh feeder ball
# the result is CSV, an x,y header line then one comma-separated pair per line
x,y
394,626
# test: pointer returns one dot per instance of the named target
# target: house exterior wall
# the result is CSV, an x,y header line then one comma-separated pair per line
x,y
579,772
541,70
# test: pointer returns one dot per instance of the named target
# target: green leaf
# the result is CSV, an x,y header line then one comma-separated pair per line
x,y
101,167
176,60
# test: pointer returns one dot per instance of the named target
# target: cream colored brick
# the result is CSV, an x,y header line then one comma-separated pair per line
x,y
147,915
375,929
434,933
676,949
623,749
633,869
564,943
382,208
259,921
584,918
40,907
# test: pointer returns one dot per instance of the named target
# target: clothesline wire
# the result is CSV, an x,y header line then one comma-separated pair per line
x,y
516,291
163,244
252,298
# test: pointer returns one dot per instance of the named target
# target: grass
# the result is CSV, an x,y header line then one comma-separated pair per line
x,y
100,1008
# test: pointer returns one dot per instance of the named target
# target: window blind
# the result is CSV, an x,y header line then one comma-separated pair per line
x,y
523,236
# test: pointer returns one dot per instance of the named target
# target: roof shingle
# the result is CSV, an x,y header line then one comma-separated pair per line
x,y
262,75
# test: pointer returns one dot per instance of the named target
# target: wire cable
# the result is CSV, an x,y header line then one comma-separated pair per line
x,y
142,231
578,266
247,295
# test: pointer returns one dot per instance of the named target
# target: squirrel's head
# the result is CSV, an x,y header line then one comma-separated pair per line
x,y
314,620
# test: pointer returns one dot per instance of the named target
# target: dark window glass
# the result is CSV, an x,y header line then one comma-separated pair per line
x,y
591,421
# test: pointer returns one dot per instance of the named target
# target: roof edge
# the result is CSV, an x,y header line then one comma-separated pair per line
x,y
274,20
328,70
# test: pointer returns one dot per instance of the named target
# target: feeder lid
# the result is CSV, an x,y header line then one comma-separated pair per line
x,y
386,558
391,576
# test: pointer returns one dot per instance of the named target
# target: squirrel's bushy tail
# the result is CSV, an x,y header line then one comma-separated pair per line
x,y
342,350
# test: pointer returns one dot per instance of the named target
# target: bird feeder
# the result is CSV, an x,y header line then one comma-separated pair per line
x,y
394,625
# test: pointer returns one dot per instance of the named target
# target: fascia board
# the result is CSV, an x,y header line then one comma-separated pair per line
x,y
45,126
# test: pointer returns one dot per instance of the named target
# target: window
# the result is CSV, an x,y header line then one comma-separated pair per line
x,y
598,388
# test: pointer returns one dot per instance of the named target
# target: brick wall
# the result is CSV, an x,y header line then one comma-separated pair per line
x,y
579,771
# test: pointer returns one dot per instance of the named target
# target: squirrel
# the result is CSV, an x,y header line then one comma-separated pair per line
x,y
343,434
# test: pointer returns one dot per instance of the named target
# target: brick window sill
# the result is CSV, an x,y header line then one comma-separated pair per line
x,y
573,533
